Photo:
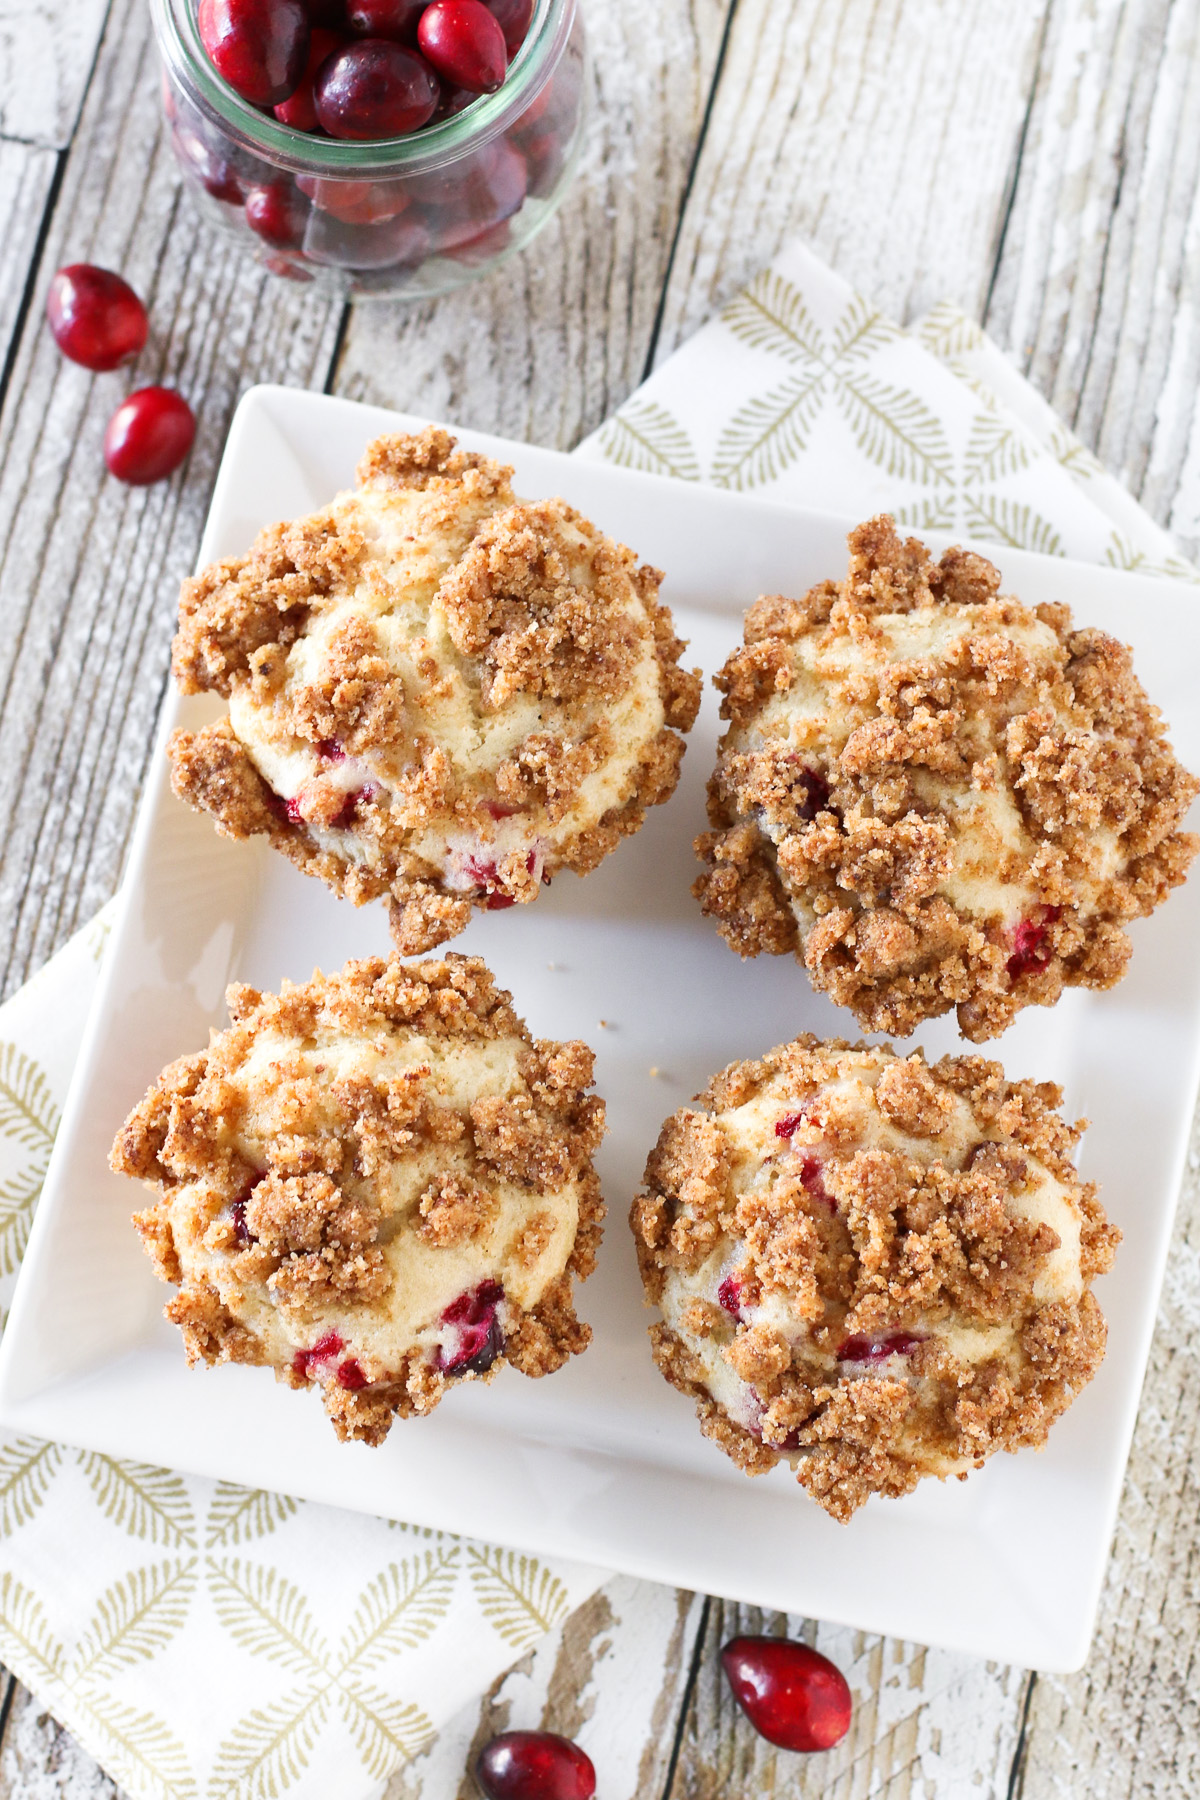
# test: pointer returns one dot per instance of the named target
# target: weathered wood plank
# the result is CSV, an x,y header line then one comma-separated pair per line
x,y
925,1722
1129,1723
39,1760
1098,285
550,344
46,54
90,569
883,133
26,182
611,1677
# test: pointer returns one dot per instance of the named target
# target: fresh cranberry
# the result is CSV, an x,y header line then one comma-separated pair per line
x,y
399,242
1029,943
148,436
465,44
811,793
534,1765
375,89
350,1374
299,110
329,13
861,1349
324,1350
729,1295
259,46
513,18
485,189
479,1337
218,177
95,317
396,20
453,101
793,1696
277,213
544,158
356,202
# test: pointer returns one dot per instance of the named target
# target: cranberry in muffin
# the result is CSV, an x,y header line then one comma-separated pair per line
x,y
438,693
376,1183
869,1268
935,796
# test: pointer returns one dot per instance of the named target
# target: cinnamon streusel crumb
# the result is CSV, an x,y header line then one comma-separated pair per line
x,y
377,1183
936,797
871,1268
438,693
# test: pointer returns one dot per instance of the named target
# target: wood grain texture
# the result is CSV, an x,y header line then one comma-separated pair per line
x,y
46,55
611,1677
90,568
41,1761
883,131
27,175
926,1722
1097,291
550,344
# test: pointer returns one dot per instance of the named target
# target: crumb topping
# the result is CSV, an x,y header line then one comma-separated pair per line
x,y
935,796
437,693
869,1267
377,1183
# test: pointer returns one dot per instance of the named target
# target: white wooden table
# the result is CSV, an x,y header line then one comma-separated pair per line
x,y
1037,161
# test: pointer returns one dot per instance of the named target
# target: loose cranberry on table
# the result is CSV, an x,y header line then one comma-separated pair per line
x,y
394,19
148,436
513,18
534,1765
299,110
259,46
792,1695
465,44
95,317
375,89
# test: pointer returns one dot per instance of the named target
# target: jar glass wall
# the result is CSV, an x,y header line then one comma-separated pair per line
x,y
411,216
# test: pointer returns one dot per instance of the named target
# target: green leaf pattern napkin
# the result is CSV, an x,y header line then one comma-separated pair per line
x,y
207,1643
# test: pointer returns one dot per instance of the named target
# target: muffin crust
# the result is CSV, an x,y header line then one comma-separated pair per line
x,y
377,1183
437,693
936,797
873,1269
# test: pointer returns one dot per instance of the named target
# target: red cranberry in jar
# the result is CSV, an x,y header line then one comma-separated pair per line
x,y
465,44
95,317
482,249
277,213
356,202
544,159
331,14
374,89
400,242
300,109
394,19
483,190
148,436
258,46
513,18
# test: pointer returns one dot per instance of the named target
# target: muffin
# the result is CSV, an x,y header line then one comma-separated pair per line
x,y
437,692
869,1268
935,796
377,1184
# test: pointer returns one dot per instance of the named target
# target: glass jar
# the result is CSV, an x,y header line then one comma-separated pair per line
x,y
411,216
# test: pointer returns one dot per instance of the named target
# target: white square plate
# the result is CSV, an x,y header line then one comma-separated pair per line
x,y
603,1463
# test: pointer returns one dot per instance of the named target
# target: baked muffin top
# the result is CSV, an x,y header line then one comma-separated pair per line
x,y
437,692
936,796
874,1269
377,1183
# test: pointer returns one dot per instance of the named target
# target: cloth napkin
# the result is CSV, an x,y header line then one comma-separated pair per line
x,y
204,1641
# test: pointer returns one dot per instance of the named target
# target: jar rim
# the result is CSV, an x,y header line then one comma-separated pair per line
x,y
432,147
